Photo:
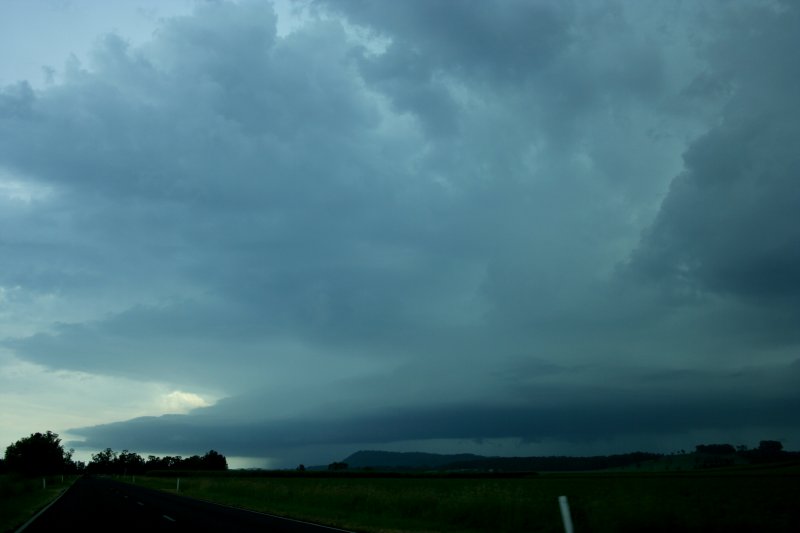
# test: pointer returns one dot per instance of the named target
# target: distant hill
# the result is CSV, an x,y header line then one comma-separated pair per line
x,y
554,463
405,460
705,456
431,461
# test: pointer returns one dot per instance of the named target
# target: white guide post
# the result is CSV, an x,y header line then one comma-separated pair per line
x,y
178,486
565,516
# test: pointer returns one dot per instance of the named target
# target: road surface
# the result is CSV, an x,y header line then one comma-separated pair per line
x,y
99,504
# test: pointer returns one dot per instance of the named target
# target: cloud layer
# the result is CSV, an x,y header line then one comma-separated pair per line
x,y
417,220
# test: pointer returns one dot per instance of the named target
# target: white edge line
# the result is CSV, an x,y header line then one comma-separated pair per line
x,y
273,515
40,513
168,518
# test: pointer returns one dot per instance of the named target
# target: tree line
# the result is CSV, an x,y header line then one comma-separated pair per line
x,y
43,454
127,463
716,455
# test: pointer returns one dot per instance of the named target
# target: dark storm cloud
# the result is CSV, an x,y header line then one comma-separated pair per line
x,y
435,45
434,209
182,342
510,39
728,224
174,166
444,57
16,100
650,403
276,185
227,177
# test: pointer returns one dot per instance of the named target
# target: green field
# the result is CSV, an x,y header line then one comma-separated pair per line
x,y
21,498
736,499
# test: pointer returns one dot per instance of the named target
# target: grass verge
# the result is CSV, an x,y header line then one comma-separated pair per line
x,y
21,498
752,500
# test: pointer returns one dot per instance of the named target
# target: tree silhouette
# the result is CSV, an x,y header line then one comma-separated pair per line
x,y
214,460
102,462
129,463
770,447
39,454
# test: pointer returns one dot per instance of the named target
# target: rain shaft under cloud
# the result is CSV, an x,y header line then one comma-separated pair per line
x,y
417,221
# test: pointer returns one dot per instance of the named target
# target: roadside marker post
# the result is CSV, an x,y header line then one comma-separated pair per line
x,y
178,486
565,515
44,483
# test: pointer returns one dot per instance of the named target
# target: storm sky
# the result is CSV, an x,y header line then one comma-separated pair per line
x,y
291,231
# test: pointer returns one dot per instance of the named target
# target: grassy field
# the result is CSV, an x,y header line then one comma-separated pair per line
x,y
21,498
738,499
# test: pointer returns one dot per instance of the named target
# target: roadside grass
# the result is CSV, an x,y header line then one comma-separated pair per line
x,y
21,498
667,463
738,500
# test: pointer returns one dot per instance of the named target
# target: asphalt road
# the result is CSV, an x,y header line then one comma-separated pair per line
x,y
99,504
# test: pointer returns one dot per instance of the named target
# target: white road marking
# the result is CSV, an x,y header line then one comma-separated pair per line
x,y
168,518
140,503
320,526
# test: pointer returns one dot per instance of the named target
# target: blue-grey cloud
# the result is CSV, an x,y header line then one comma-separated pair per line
x,y
407,201
725,227
658,404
